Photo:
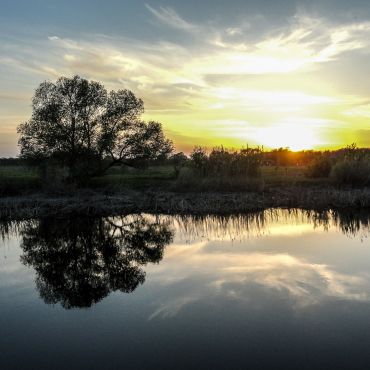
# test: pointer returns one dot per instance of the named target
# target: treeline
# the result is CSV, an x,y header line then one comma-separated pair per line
x,y
349,165
243,161
276,157
219,167
286,157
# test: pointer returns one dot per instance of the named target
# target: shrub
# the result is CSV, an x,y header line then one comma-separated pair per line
x,y
352,172
249,161
320,167
18,185
199,160
227,163
178,160
188,181
56,179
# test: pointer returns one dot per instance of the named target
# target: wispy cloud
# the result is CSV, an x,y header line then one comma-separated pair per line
x,y
169,17
221,75
305,42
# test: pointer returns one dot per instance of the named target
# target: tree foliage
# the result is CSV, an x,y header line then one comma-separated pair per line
x,y
221,161
79,124
178,160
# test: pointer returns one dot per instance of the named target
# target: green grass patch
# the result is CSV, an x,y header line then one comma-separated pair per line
x,y
18,172
118,178
290,175
15,180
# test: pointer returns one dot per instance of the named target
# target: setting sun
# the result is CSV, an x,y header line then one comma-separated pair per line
x,y
295,138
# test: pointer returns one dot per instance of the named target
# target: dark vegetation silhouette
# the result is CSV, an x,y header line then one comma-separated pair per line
x,y
228,169
178,161
223,162
80,261
222,169
77,125
348,166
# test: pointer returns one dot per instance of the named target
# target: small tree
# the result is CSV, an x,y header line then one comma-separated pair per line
x,y
178,161
199,159
320,167
79,125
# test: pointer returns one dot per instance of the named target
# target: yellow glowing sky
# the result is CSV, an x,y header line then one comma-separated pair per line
x,y
301,83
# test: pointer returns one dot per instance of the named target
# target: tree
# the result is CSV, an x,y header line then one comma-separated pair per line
x,y
178,161
199,159
78,124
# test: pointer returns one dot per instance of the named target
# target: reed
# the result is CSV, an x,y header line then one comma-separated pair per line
x,y
161,202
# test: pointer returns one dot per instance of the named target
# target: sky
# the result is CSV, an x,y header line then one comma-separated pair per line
x,y
277,73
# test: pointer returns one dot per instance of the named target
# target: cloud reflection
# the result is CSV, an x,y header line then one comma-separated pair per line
x,y
215,267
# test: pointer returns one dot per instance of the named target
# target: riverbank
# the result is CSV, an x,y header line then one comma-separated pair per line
x,y
100,204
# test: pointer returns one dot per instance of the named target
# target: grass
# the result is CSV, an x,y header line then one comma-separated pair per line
x,y
18,172
118,178
156,172
159,175
291,175
163,177
17,180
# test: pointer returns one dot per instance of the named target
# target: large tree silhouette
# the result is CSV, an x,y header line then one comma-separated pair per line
x,y
79,124
78,262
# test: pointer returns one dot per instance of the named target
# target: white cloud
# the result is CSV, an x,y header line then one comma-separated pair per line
x,y
302,43
232,31
177,80
359,111
169,17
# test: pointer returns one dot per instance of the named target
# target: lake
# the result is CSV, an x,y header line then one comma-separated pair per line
x,y
279,289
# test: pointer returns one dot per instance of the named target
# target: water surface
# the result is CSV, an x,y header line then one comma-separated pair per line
x,y
271,290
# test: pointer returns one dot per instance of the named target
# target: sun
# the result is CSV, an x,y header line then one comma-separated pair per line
x,y
296,138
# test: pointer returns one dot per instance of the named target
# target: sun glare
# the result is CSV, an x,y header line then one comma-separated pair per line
x,y
296,138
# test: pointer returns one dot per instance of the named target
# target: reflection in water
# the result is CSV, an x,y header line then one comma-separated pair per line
x,y
271,221
241,277
80,261
279,289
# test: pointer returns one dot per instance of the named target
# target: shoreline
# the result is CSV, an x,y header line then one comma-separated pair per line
x,y
95,204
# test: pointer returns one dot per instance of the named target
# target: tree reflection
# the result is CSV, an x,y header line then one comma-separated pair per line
x,y
78,262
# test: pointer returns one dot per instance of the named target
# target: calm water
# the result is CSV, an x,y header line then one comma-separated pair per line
x,y
271,290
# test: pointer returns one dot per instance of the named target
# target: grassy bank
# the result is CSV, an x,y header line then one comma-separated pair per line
x,y
157,190
99,204
163,177
18,180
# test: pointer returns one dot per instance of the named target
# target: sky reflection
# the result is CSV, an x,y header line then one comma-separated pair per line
x,y
267,290
300,255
